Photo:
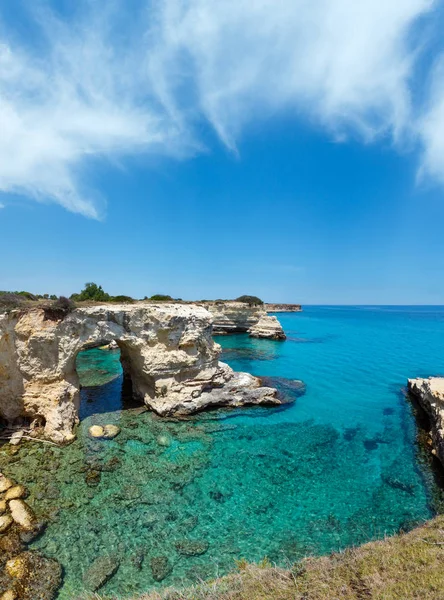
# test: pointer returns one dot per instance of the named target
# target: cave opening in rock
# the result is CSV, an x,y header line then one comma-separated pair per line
x,y
105,381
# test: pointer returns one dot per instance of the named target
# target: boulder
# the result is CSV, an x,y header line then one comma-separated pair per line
x,y
5,522
110,431
5,483
96,431
101,570
23,515
16,491
35,576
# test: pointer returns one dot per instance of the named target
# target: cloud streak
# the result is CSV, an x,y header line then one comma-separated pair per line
x,y
107,84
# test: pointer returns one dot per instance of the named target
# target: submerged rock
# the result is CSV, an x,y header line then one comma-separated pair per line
x,y
192,547
101,570
160,567
35,576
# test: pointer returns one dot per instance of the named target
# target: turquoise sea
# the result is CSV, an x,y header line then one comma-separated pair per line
x,y
175,501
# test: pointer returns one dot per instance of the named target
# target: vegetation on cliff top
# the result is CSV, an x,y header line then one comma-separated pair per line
x,y
403,567
92,292
251,300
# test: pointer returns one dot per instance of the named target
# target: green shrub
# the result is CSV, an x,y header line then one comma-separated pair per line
x,y
91,292
122,299
161,298
251,300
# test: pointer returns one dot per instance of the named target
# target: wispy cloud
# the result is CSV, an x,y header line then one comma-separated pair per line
x,y
106,83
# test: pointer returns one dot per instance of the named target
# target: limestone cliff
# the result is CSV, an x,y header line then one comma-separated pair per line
x,y
240,317
430,393
166,349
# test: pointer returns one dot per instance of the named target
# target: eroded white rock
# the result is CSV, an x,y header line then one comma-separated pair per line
x,y
166,349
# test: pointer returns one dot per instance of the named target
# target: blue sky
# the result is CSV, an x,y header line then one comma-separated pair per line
x,y
290,149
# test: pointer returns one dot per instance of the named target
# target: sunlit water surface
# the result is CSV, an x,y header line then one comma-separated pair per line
x,y
183,500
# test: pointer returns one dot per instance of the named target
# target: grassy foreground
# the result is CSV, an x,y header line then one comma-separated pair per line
x,y
404,567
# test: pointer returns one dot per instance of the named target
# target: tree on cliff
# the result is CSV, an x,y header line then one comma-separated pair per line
x,y
92,292
251,300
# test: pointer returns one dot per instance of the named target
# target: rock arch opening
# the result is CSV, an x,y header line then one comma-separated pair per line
x,y
105,380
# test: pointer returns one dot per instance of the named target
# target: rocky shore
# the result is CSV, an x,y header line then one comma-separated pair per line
x,y
430,394
167,351
24,574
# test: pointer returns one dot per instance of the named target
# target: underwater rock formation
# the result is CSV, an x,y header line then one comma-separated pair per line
x,y
430,394
240,317
167,351
268,327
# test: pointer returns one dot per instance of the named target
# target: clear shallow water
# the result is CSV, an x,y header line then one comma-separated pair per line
x,y
338,467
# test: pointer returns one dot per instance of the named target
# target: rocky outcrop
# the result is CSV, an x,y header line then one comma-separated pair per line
x,y
240,317
430,394
233,317
277,308
166,349
268,327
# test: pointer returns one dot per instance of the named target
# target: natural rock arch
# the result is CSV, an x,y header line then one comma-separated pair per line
x,y
167,350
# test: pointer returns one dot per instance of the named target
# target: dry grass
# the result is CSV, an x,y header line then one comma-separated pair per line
x,y
405,567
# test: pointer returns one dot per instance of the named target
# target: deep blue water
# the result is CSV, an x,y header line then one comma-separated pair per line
x,y
339,467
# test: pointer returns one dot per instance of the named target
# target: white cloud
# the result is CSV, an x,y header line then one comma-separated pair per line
x,y
431,126
110,83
